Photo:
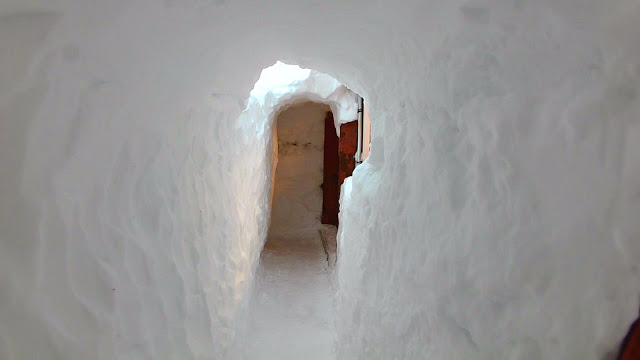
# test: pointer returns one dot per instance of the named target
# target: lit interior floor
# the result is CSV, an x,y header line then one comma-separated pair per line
x,y
293,303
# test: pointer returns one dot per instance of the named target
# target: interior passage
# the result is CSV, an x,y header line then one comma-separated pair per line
x,y
292,313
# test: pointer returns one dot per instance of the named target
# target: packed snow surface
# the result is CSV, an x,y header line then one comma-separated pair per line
x,y
496,217
292,312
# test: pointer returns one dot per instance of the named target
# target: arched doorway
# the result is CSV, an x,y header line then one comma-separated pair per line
x,y
293,295
298,183
312,149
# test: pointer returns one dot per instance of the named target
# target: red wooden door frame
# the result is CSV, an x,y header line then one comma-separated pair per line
x,y
347,150
339,163
330,186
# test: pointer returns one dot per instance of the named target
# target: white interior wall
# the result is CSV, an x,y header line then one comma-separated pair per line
x,y
496,216
297,198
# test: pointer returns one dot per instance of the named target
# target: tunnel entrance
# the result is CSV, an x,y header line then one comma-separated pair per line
x,y
306,172
293,294
312,134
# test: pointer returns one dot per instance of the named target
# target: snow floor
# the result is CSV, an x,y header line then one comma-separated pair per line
x,y
293,299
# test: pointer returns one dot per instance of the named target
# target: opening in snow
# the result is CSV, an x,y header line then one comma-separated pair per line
x,y
314,126
346,127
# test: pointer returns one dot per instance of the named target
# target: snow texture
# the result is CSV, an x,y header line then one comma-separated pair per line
x,y
496,217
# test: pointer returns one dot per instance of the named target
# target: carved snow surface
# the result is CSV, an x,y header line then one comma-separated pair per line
x,y
495,218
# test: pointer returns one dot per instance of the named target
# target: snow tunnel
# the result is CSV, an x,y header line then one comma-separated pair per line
x,y
309,123
292,289
495,218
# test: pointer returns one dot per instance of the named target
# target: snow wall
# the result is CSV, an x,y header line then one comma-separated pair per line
x,y
496,216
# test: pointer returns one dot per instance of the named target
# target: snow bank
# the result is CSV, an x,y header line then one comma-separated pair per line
x,y
496,216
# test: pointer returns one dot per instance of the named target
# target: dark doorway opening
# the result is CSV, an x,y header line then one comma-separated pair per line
x,y
330,183
339,163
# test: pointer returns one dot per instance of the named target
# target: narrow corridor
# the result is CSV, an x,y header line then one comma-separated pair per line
x,y
293,298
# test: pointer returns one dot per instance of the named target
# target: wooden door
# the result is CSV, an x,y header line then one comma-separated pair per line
x,y
339,163
330,185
